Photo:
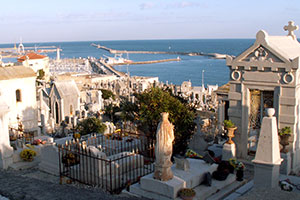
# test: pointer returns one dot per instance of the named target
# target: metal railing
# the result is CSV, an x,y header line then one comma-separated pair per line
x,y
109,163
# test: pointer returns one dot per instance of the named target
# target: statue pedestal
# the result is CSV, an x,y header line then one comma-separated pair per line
x,y
168,188
156,189
228,151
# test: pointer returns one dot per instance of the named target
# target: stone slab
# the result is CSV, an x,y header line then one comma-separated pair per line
x,y
25,165
136,190
203,192
229,151
261,77
227,190
167,189
245,188
232,196
195,175
285,167
235,96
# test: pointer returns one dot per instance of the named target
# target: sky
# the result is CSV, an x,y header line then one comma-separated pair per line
x,y
89,20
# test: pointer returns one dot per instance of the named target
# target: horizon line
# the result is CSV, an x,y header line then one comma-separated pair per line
x,y
128,40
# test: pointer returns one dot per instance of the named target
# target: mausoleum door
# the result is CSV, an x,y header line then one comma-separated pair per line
x,y
259,101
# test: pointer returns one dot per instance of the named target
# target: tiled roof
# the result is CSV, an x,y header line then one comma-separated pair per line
x,y
31,56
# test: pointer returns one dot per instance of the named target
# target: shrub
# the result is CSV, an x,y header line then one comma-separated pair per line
x,y
228,124
90,125
285,131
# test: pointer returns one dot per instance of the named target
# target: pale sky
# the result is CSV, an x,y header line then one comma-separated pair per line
x,y
87,20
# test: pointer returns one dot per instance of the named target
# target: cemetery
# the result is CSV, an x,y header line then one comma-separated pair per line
x,y
251,142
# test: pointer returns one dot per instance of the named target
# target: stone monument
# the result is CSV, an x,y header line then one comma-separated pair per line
x,y
164,149
267,159
197,142
266,75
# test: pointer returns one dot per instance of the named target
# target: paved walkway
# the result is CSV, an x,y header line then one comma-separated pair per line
x,y
15,185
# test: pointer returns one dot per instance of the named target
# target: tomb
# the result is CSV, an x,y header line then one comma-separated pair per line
x,y
266,75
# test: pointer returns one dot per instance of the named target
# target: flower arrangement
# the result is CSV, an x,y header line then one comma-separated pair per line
x,y
70,159
38,141
184,193
27,155
236,164
285,131
77,135
192,154
228,124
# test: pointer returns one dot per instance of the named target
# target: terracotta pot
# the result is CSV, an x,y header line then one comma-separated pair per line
x,y
284,141
187,197
230,135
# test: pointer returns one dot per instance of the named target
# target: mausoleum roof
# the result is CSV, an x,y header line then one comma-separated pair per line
x,y
285,45
273,53
15,72
67,88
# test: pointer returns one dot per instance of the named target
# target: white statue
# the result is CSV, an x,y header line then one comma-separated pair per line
x,y
164,149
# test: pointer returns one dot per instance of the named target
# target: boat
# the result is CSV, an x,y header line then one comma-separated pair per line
x,y
117,59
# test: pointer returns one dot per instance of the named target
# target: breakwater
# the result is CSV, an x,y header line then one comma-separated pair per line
x,y
148,62
114,51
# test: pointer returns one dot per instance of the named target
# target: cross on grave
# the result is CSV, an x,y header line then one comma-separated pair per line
x,y
291,28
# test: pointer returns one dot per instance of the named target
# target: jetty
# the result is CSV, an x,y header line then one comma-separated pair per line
x,y
104,67
149,62
114,51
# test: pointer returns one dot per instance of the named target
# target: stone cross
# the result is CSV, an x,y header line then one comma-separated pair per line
x,y
291,28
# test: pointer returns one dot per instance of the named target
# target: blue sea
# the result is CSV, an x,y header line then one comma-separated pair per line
x,y
189,68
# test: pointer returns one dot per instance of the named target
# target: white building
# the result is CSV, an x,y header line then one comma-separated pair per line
x,y
17,85
36,62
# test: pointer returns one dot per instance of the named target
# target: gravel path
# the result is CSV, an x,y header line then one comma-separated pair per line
x,y
270,194
15,185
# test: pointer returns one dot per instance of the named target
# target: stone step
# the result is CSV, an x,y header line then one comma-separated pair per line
x,y
227,190
25,165
204,192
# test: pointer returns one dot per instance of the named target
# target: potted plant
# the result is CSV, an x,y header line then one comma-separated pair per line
x,y
240,167
229,125
27,155
284,135
186,193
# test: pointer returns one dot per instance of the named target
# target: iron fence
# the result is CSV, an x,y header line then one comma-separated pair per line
x,y
110,163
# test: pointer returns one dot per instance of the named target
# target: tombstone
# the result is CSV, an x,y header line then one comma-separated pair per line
x,y
182,163
49,159
197,142
43,125
164,149
267,159
77,113
266,75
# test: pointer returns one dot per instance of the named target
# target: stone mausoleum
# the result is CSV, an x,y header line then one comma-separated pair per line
x,y
266,75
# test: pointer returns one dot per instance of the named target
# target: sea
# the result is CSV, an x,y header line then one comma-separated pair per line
x,y
189,68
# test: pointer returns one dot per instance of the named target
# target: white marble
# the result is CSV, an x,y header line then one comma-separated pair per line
x,y
168,188
267,158
229,151
49,159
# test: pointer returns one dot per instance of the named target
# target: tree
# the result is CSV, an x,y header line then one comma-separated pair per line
x,y
148,107
90,125
106,94
41,74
